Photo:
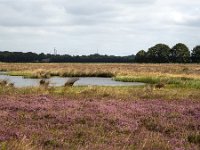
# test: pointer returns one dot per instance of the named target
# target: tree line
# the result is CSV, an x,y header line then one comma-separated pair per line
x,y
162,53
6,56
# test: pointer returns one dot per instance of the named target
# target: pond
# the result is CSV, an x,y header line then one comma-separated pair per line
x,y
19,81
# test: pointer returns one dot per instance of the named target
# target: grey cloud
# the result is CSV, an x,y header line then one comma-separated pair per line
x,y
122,26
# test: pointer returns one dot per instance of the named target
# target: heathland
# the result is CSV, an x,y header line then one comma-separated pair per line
x,y
163,114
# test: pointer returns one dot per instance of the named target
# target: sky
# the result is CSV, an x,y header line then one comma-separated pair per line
x,y
82,27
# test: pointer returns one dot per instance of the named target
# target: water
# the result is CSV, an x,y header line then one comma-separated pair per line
x,y
19,81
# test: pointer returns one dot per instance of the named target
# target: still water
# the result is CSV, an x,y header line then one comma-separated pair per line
x,y
19,81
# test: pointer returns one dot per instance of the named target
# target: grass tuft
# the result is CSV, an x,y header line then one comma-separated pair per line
x,y
194,138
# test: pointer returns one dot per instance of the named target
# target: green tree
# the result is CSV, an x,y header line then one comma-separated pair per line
x,y
140,56
158,53
195,56
180,53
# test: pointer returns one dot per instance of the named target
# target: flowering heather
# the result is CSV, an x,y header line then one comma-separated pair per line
x,y
47,122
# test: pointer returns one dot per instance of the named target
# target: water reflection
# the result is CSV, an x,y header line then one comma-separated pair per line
x,y
19,81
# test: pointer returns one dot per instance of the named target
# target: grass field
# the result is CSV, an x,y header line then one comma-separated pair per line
x,y
180,75
90,117
77,69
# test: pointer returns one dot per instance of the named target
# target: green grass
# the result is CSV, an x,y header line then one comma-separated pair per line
x,y
178,82
24,74
143,79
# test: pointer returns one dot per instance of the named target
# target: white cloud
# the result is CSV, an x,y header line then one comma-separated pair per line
x,y
112,26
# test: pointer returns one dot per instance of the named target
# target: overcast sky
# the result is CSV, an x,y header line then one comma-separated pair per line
x,y
76,27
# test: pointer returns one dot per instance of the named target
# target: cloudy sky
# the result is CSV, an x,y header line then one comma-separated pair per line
x,y
76,27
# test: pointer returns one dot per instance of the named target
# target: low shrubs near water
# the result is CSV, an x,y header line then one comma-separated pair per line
x,y
71,81
44,83
5,83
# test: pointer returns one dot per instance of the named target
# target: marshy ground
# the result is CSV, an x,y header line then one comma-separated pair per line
x,y
141,117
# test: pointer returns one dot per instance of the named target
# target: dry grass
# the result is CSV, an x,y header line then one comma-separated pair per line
x,y
77,69
147,92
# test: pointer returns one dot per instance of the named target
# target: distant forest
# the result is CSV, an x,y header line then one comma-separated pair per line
x,y
160,53
6,56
